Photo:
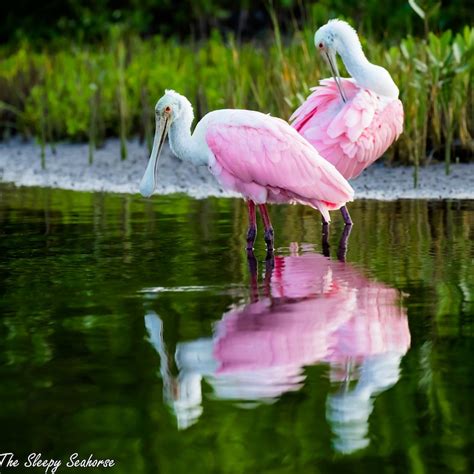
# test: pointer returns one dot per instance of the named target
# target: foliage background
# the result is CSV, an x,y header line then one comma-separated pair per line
x,y
91,20
88,70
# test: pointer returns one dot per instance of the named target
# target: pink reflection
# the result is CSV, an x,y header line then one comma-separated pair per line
x,y
315,311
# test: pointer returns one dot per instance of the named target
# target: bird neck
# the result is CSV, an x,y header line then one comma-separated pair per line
x,y
355,61
180,138
182,142
367,75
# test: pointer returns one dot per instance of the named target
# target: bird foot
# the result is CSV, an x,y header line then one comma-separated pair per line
x,y
269,239
251,236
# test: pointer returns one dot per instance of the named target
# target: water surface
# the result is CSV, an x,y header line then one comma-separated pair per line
x,y
139,330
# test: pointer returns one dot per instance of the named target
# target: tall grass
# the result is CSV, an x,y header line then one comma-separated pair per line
x,y
87,93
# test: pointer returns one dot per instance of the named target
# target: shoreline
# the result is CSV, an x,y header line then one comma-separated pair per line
x,y
20,164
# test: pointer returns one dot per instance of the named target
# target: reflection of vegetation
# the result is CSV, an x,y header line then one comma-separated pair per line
x,y
77,373
89,92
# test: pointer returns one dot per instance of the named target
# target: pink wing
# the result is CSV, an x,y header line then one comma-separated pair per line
x,y
263,158
349,135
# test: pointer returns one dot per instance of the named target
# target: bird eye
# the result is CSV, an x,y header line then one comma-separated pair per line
x,y
320,45
167,108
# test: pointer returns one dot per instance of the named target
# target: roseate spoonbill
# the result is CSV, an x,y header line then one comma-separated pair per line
x,y
312,311
259,156
351,122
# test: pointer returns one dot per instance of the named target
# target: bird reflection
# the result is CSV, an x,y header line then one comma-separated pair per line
x,y
308,310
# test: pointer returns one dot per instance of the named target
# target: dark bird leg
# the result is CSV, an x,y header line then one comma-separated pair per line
x,y
253,269
346,216
269,265
325,241
344,243
268,227
252,230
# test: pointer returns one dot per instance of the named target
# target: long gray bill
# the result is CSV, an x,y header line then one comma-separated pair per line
x,y
148,182
337,78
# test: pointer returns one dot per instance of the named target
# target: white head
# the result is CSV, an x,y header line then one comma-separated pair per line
x,y
334,36
337,36
348,410
171,108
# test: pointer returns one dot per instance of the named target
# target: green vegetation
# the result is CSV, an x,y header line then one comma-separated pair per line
x,y
83,71
88,93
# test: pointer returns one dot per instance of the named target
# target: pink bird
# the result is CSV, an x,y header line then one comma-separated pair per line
x,y
315,311
261,157
351,122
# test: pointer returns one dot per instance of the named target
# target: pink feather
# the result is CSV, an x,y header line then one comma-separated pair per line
x,y
349,135
321,311
265,160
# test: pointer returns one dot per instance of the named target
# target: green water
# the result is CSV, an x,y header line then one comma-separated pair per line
x,y
88,280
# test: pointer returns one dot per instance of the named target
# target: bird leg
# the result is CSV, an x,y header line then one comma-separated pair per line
x,y
269,265
346,216
253,270
325,241
268,235
343,243
252,230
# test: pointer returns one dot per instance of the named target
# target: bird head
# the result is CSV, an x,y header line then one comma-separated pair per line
x,y
332,36
170,108
330,39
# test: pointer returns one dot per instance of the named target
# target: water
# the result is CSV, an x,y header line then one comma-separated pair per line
x,y
140,331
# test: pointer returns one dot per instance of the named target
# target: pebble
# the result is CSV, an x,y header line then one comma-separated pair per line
x,y
20,164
